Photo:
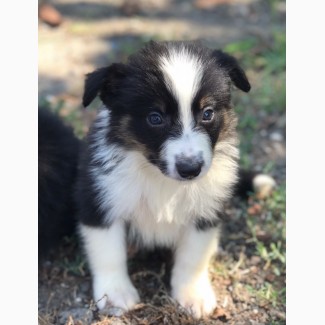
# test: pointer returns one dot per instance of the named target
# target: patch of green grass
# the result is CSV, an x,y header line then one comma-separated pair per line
x,y
267,294
268,168
272,221
268,235
273,256
77,266
245,160
276,322
241,48
271,95
73,261
222,268
247,128
265,66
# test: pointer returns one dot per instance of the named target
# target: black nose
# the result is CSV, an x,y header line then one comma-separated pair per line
x,y
189,168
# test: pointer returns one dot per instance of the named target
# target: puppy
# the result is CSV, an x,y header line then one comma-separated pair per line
x,y
160,163
58,154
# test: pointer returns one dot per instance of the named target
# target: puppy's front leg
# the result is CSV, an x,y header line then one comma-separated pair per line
x,y
190,281
107,256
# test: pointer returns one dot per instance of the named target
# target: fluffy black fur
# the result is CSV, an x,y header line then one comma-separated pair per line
x,y
58,151
244,186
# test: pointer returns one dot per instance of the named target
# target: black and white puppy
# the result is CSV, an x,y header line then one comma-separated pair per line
x,y
160,163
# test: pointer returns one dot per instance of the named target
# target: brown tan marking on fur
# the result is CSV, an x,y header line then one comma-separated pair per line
x,y
128,138
228,128
205,101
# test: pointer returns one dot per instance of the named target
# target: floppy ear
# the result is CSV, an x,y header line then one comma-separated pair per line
x,y
103,81
235,72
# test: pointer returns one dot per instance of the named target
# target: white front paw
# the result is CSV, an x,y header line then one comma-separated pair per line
x,y
115,294
197,297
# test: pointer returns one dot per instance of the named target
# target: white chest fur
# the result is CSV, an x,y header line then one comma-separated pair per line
x,y
156,206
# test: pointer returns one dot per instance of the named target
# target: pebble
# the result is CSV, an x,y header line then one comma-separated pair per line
x,y
276,136
78,299
279,150
255,260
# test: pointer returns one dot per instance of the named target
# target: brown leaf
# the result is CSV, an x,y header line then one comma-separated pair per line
x,y
270,277
254,209
48,14
220,313
263,236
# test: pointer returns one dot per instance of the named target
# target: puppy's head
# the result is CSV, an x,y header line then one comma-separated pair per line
x,y
171,102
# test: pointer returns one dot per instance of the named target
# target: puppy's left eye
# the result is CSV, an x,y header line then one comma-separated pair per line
x,y
208,115
155,119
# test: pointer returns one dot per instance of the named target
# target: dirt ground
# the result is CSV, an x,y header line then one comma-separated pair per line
x,y
249,273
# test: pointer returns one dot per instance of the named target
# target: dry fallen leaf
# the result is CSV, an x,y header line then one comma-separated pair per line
x,y
49,15
220,313
254,209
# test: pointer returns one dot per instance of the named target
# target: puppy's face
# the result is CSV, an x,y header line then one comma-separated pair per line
x,y
171,102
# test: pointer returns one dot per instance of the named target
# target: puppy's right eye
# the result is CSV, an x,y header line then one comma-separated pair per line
x,y
155,119
208,115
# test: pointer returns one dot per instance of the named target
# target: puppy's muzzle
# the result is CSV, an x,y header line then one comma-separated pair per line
x,y
189,168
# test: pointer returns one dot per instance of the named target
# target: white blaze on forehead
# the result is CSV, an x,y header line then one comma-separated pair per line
x,y
183,72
